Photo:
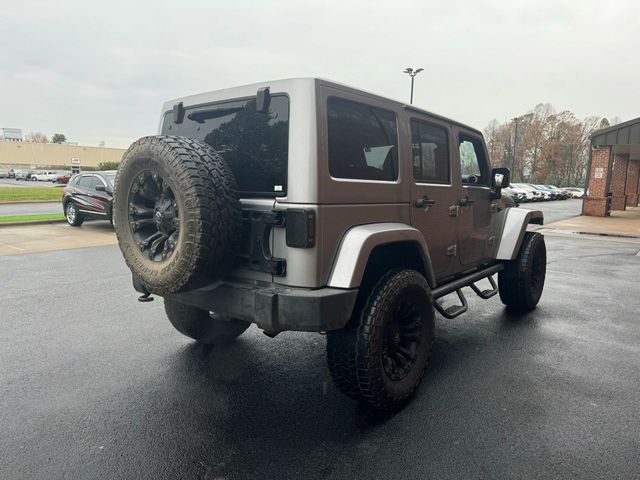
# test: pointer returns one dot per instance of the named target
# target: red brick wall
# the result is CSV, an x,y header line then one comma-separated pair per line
x,y
595,203
619,181
633,177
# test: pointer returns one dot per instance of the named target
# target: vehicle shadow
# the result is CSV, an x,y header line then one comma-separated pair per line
x,y
268,409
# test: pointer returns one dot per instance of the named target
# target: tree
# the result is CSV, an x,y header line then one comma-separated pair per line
x,y
552,147
58,138
36,137
108,165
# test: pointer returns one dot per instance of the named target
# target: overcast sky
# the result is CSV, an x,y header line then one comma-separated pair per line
x,y
101,70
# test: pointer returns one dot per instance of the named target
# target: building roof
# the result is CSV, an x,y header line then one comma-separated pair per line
x,y
625,133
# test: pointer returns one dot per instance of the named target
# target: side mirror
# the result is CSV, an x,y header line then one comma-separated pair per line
x,y
101,188
500,178
263,100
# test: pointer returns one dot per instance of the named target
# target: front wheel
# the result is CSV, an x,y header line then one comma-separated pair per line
x,y
522,280
203,326
74,218
381,357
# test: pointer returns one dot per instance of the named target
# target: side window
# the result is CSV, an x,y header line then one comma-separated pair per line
x,y
473,164
85,181
363,141
430,148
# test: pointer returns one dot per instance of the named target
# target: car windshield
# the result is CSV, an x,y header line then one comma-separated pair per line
x,y
111,177
254,144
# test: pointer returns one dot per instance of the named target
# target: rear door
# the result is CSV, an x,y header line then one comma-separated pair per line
x,y
85,195
475,203
434,191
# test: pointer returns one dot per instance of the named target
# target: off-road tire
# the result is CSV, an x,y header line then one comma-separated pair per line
x,y
203,326
208,206
355,353
521,282
77,218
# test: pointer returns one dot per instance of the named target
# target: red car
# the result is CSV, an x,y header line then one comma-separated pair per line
x,y
88,195
63,178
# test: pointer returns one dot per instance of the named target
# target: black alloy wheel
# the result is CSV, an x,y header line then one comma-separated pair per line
x,y
402,336
154,216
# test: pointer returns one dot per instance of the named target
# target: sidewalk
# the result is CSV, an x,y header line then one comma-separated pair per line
x,y
55,236
619,224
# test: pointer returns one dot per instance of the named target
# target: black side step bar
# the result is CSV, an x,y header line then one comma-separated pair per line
x,y
468,281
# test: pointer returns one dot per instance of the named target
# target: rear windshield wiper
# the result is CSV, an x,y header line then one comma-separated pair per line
x,y
201,115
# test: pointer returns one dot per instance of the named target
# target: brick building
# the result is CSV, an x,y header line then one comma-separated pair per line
x,y
614,169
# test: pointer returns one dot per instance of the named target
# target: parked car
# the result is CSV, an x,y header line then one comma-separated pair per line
x,y
524,195
89,196
43,176
535,194
4,174
575,192
23,175
359,229
518,195
546,193
63,178
561,194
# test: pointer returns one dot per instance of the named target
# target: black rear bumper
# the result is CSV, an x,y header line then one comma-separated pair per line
x,y
274,308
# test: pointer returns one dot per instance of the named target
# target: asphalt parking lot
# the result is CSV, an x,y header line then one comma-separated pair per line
x,y
94,384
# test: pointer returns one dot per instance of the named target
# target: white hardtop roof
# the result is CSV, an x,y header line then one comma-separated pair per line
x,y
284,85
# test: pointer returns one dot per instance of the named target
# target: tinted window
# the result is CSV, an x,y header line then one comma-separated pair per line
x,y
86,181
473,165
254,144
430,147
363,141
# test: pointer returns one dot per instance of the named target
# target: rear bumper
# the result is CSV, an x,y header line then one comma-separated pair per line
x,y
274,308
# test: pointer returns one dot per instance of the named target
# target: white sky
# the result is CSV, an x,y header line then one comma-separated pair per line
x,y
101,70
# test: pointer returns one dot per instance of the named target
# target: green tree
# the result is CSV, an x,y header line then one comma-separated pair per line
x,y
58,138
108,165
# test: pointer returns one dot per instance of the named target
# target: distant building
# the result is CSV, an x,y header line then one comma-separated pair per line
x,y
52,156
11,134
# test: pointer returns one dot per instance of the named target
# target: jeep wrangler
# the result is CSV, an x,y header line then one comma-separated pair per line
x,y
307,205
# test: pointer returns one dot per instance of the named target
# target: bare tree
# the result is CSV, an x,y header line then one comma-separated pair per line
x,y
36,137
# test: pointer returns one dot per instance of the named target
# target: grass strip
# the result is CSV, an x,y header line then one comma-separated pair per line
x,y
31,218
23,194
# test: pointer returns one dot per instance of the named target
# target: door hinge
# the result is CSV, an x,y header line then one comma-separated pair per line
x,y
454,210
452,250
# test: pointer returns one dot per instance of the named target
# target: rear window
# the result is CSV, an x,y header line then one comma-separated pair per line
x,y
254,144
363,141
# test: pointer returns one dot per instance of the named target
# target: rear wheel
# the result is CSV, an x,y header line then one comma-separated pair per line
x,y
203,326
74,218
522,280
381,358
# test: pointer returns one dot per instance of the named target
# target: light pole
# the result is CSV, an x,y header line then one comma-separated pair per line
x,y
412,73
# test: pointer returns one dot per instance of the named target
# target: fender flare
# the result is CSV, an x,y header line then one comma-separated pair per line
x,y
514,228
358,243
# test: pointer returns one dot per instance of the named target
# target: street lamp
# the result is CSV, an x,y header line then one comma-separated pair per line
x,y
412,73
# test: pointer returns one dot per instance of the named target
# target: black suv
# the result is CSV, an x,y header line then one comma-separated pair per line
x,y
89,196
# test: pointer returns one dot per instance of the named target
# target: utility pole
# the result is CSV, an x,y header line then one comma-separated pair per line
x,y
412,73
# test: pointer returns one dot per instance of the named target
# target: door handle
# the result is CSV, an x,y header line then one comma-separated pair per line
x,y
465,202
424,202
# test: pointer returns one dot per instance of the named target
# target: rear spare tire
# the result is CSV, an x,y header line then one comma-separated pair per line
x,y
176,213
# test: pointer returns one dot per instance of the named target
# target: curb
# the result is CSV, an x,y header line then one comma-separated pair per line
x,y
26,202
31,222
